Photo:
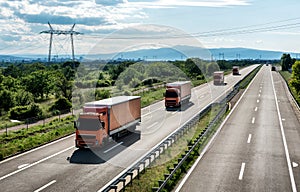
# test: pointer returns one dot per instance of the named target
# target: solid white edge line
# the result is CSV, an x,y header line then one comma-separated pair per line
x,y
35,163
212,139
113,147
45,186
35,149
242,171
249,138
284,140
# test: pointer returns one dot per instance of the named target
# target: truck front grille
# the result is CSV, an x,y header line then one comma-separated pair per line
x,y
86,137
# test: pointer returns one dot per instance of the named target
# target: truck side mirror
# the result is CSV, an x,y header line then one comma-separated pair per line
x,y
75,125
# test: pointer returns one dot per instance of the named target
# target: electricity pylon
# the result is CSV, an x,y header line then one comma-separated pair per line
x,y
61,32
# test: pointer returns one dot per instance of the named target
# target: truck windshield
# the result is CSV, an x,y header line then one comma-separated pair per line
x,y
171,94
89,124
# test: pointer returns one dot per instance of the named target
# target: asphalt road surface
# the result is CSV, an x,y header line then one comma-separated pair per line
x,y
257,148
59,166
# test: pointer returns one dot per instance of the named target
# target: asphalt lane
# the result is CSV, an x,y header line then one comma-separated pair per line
x,y
61,167
249,154
290,115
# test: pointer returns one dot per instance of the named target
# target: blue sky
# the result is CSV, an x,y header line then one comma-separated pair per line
x,y
259,24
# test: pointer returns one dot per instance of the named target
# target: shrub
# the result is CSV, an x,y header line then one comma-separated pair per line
x,y
102,94
61,104
25,112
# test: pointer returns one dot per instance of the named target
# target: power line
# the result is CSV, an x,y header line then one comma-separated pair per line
x,y
222,32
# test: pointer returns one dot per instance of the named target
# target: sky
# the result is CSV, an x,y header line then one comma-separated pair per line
x,y
116,25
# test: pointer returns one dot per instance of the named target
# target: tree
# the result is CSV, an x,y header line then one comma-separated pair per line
x,y
12,71
7,100
23,98
39,83
286,62
295,81
211,68
63,87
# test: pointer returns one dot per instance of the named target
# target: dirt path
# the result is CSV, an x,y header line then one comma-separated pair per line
x,y
41,122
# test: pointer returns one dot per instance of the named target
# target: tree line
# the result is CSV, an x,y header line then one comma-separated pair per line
x,y
23,86
292,65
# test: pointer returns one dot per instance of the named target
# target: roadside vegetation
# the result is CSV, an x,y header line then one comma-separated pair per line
x,y
25,139
39,90
290,71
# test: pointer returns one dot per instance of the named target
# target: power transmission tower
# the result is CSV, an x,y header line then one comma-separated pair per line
x,y
61,32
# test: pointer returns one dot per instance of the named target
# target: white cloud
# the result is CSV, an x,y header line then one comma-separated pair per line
x,y
189,3
110,2
23,20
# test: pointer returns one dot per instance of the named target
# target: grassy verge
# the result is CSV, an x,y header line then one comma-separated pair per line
x,y
151,96
25,139
161,166
287,77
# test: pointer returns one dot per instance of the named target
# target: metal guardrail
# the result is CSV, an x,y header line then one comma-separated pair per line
x,y
140,166
191,148
135,170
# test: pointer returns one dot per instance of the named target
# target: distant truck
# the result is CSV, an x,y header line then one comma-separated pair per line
x,y
107,119
218,78
177,93
235,70
273,68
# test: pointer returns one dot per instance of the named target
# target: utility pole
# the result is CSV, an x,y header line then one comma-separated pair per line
x,y
61,32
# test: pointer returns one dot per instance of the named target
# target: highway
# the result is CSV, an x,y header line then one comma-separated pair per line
x,y
59,166
257,147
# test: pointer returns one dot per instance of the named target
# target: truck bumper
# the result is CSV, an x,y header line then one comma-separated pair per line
x,y
86,143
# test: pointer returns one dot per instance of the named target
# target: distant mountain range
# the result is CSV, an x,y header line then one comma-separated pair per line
x,y
183,52
174,53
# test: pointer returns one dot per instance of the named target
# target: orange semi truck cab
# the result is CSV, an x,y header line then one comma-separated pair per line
x,y
177,93
104,120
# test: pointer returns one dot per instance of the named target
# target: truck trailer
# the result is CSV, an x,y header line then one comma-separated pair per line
x,y
235,70
177,93
218,78
107,119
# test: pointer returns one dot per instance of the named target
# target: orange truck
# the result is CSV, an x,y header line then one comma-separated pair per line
x,y
235,70
177,93
107,119
218,78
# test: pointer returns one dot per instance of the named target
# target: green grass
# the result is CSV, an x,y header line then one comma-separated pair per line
x,y
160,167
43,104
151,96
26,139
287,77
